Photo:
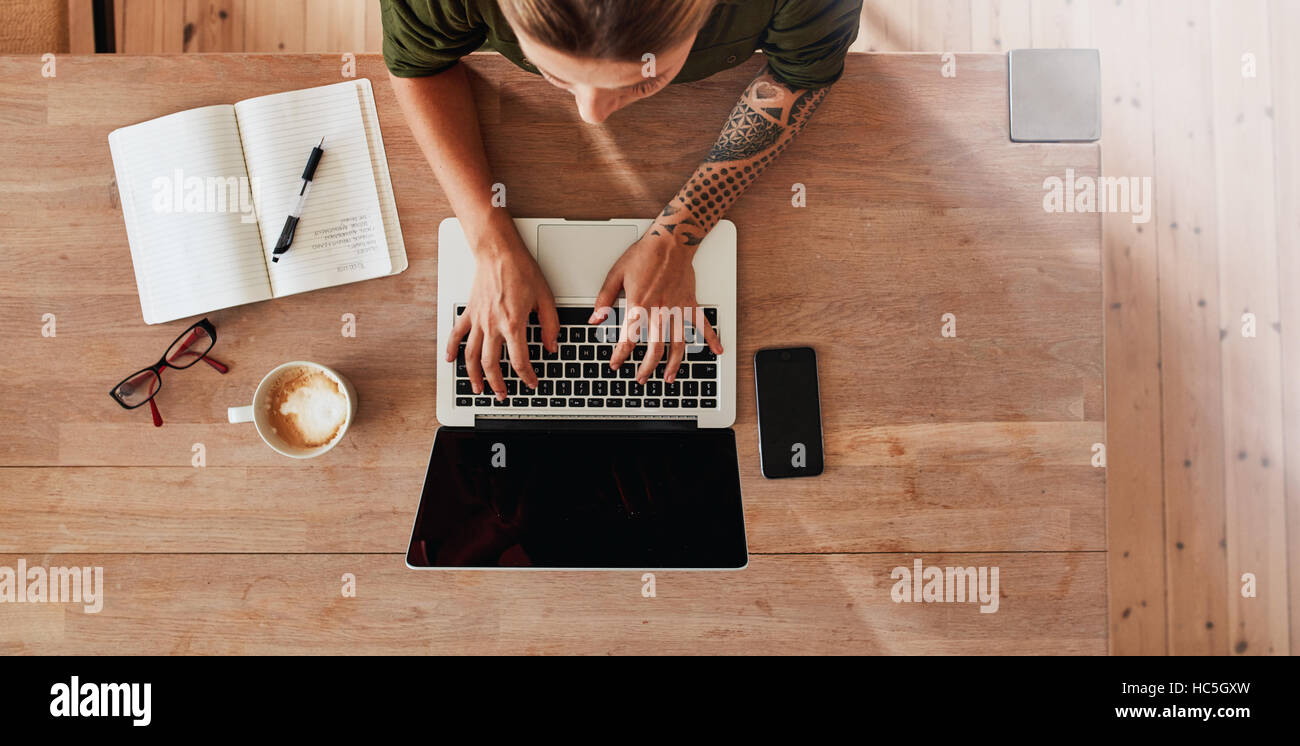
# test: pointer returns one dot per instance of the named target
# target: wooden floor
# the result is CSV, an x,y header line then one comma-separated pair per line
x,y
1203,421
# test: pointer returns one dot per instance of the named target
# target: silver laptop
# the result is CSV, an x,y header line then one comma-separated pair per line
x,y
589,470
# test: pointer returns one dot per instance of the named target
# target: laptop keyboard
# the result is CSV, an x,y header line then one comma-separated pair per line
x,y
578,376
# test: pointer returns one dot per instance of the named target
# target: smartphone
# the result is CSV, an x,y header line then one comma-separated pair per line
x,y
789,412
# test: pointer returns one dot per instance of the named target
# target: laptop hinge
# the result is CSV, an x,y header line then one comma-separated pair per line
x,y
611,424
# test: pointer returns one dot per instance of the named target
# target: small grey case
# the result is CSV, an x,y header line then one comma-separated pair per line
x,y
1055,95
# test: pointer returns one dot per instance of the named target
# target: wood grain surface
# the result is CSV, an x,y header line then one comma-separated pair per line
x,y
1166,594
917,206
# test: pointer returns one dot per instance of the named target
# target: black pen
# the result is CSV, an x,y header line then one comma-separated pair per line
x,y
291,222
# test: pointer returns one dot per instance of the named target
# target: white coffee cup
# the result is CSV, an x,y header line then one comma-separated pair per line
x,y
258,412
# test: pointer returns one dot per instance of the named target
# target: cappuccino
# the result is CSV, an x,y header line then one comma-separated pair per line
x,y
306,408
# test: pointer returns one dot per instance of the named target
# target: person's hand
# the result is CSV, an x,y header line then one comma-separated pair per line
x,y
659,281
508,285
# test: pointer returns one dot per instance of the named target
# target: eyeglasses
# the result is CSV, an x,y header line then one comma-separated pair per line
x,y
189,348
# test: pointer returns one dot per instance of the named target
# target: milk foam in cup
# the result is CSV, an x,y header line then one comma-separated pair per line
x,y
300,409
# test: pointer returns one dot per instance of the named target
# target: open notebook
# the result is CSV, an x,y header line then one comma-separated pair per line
x,y
205,193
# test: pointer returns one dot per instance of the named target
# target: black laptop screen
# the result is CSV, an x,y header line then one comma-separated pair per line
x,y
580,499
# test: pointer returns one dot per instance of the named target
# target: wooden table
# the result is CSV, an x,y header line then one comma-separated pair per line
x,y
971,451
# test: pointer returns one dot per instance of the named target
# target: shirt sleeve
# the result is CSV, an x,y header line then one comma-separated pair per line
x,y
425,37
807,40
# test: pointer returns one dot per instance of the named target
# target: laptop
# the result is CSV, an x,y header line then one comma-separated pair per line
x,y
590,470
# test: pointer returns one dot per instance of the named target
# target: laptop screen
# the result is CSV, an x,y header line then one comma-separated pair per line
x,y
580,499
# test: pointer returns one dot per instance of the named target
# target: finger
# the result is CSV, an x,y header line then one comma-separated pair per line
x,y
622,351
676,349
626,339
654,350
636,324
458,331
607,296
550,323
519,358
492,365
473,348
676,344
710,336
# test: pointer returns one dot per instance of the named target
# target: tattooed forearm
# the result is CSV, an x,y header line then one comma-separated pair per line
x,y
765,120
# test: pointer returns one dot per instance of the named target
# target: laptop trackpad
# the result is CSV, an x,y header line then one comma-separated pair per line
x,y
576,258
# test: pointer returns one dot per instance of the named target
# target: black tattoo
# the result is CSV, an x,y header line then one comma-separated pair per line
x,y
745,134
763,122
805,105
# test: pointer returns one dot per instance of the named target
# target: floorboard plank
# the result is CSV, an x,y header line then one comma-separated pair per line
x,y
81,26
887,26
941,26
374,31
214,25
278,26
1134,488
1061,24
1007,506
1284,18
1252,366
827,604
1191,377
1000,25
334,26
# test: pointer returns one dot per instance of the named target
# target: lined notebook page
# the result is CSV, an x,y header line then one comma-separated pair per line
x,y
341,236
193,249
383,182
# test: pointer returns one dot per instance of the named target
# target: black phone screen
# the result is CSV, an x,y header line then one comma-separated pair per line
x,y
789,412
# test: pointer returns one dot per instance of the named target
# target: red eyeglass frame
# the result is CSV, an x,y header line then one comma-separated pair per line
x,y
163,363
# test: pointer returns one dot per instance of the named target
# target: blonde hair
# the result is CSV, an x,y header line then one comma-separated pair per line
x,y
608,29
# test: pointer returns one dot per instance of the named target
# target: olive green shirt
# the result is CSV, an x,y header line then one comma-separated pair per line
x,y
805,41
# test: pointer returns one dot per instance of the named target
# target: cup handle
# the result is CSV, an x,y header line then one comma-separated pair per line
x,y
240,414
